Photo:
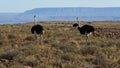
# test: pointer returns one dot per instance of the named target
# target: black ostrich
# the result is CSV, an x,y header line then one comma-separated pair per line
x,y
85,29
37,29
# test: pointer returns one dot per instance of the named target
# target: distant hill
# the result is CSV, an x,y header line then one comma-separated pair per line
x,y
54,14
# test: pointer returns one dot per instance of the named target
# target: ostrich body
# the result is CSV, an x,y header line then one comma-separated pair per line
x,y
86,29
37,29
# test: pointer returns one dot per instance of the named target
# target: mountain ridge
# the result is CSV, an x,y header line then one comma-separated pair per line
x,y
65,13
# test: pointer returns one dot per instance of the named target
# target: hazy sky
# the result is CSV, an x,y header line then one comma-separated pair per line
x,y
23,5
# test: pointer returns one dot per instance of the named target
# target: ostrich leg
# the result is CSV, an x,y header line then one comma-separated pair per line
x,y
87,38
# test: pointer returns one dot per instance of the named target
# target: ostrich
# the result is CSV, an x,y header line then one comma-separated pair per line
x,y
37,29
76,24
85,29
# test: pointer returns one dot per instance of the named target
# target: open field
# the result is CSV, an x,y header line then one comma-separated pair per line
x,y
62,47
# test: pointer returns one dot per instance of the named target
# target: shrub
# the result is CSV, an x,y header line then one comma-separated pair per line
x,y
88,50
11,36
1,42
2,36
30,38
9,55
67,48
29,61
66,58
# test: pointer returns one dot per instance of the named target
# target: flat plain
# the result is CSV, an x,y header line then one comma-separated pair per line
x,y
62,46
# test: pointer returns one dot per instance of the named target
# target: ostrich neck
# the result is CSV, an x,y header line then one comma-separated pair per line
x,y
78,24
79,28
35,22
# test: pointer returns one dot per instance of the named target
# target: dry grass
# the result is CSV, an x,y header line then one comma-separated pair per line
x,y
63,46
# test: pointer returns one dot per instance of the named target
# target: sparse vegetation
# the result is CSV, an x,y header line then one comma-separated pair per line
x,y
62,47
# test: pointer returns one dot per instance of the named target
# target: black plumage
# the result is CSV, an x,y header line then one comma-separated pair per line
x,y
38,29
86,29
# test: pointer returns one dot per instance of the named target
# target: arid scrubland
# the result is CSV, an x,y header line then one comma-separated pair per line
x,y
62,46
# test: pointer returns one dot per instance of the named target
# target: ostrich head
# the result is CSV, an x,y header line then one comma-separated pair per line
x,y
35,22
75,25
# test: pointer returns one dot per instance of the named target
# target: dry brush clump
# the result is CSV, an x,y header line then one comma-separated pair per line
x,y
88,50
11,36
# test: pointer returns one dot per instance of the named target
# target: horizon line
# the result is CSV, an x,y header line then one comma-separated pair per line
x,y
57,7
